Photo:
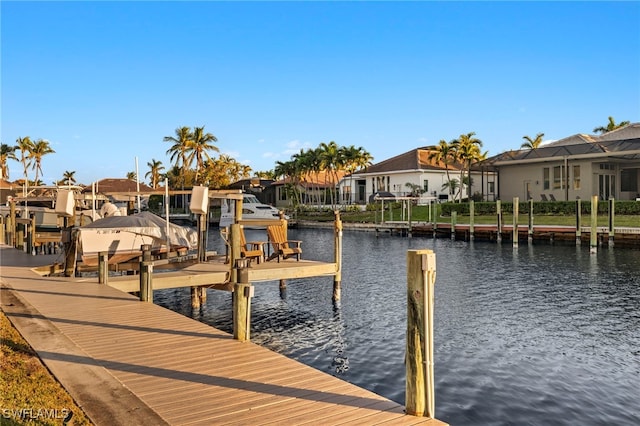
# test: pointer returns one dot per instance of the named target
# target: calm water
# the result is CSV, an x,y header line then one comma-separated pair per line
x,y
538,335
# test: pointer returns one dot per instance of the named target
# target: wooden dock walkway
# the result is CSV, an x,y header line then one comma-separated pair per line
x,y
130,362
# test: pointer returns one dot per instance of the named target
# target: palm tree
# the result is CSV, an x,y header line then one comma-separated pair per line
x,y
180,148
25,146
39,149
7,152
468,152
68,177
199,147
155,167
332,162
354,160
132,176
532,143
444,153
611,125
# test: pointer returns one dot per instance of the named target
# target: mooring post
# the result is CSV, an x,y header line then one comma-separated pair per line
x,y
242,294
594,225
11,224
421,277
146,273
103,267
516,212
234,250
337,244
499,226
454,220
472,210
530,228
578,222
31,234
3,229
612,213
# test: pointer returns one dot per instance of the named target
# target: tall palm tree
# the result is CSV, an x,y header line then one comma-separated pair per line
x,y
332,162
444,153
532,143
25,145
154,173
468,152
611,125
354,160
39,149
180,148
7,152
68,177
132,176
199,148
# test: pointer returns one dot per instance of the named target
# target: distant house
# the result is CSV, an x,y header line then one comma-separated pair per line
x,y
411,172
577,166
263,189
312,188
122,191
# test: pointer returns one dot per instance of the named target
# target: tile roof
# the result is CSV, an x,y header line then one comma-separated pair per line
x,y
416,159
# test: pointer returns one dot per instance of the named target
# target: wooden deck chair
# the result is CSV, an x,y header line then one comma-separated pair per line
x,y
552,197
543,197
251,249
282,248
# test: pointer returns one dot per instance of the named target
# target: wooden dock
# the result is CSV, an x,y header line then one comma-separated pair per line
x,y
130,362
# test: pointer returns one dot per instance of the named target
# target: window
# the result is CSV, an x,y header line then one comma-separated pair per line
x,y
607,166
491,187
545,178
576,178
425,185
629,180
557,177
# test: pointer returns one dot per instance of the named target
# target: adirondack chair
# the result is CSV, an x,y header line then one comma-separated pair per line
x,y
248,249
282,248
251,249
552,197
543,197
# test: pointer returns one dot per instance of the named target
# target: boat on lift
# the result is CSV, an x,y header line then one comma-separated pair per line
x,y
252,208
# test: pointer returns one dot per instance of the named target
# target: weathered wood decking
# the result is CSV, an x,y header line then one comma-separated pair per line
x,y
169,366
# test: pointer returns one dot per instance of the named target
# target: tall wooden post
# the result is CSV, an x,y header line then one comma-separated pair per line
x,y
578,222
612,214
31,234
202,238
69,237
454,220
421,276
530,227
146,273
103,267
499,226
242,294
3,230
337,245
516,212
472,210
594,225
234,250
11,224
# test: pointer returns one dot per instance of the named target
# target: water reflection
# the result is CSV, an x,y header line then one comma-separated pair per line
x,y
541,334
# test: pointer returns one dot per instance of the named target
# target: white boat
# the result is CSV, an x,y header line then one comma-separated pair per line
x,y
122,236
252,208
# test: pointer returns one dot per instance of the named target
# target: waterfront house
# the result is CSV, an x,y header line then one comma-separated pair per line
x,y
577,166
319,189
414,173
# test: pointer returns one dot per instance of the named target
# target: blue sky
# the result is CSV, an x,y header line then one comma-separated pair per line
x,y
104,82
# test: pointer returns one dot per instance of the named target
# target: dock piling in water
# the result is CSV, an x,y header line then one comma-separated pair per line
x,y
337,235
420,388
242,294
516,211
594,225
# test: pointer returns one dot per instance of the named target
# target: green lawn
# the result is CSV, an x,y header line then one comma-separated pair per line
x,y
421,214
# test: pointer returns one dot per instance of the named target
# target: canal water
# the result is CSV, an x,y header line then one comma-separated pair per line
x,y
542,334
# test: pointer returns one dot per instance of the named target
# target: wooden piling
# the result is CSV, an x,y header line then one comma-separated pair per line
x,y
234,249
421,274
69,237
499,226
242,294
146,274
516,211
594,225
578,222
103,267
471,215
3,230
530,225
612,213
454,220
337,244
11,224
